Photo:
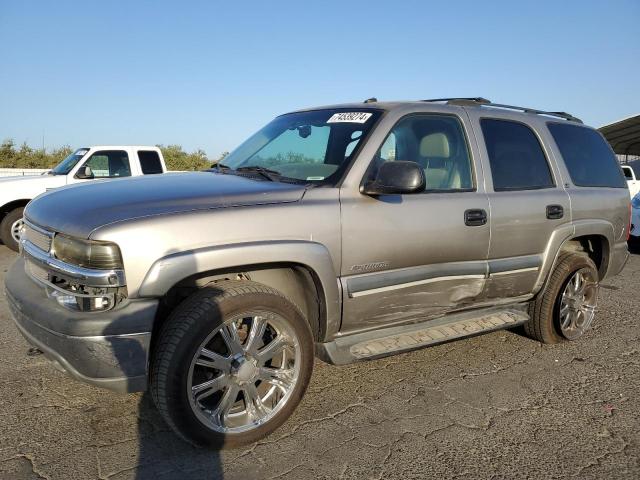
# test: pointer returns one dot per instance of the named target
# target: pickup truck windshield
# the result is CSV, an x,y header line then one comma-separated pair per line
x,y
313,146
66,165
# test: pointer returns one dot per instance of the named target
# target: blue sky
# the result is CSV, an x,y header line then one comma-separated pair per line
x,y
208,74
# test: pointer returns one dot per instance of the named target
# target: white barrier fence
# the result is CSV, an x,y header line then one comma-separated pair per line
x,y
21,172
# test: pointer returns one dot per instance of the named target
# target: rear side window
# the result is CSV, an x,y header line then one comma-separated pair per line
x,y
588,157
150,162
515,156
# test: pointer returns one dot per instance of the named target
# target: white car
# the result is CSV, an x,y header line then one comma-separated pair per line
x,y
634,232
632,182
99,162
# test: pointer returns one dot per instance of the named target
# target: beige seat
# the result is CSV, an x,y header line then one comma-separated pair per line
x,y
440,169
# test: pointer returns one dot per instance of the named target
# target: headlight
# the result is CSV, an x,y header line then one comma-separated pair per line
x,y
635,203
87,253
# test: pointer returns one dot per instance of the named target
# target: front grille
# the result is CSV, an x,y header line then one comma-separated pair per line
x,y
37,238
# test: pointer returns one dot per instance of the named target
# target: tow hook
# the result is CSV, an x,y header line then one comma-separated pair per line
x,y
33,352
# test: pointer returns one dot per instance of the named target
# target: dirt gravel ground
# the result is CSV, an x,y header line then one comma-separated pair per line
x,y
497,406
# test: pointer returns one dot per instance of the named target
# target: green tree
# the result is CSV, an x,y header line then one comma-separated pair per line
x,y
177,159
26,157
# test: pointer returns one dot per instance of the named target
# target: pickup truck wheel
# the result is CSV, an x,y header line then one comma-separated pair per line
x,y
231,364
10,228
566,308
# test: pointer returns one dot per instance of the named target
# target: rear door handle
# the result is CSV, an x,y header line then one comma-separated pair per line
x,y
555,212
475,217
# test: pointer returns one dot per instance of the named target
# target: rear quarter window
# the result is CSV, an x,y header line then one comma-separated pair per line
x,y
150,162
588,157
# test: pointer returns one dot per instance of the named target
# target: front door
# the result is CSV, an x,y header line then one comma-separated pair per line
x,y
407,258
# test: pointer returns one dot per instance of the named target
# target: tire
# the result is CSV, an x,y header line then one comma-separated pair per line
x,y
6,226
192,327
545,324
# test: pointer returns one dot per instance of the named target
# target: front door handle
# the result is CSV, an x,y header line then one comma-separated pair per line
x,y
554,212
475,217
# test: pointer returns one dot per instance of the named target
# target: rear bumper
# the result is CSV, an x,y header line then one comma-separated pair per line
x,y
619,258
106,349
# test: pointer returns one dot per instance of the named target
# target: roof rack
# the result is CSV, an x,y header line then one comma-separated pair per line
x,y
483,102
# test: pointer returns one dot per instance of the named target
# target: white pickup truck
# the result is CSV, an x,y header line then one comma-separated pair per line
x,y
99,162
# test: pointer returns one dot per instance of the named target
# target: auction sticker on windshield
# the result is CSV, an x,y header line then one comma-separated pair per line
x,y
350,117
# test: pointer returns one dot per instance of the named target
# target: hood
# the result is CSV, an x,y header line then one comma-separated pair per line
x,y
28,179
20,179
79,209
28,187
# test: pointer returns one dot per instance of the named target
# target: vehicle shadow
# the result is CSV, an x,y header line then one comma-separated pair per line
x,y
162,455
634,248
165,456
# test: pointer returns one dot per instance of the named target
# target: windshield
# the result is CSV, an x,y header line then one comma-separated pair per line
x,y
66,165
314,146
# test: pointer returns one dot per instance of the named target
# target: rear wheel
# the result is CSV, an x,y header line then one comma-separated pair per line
x,y
10,228
566,308
232,363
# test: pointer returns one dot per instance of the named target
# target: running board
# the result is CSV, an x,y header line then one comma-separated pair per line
x,y
392,340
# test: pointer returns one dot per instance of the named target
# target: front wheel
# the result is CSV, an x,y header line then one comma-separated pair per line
x,y
231,364
10,228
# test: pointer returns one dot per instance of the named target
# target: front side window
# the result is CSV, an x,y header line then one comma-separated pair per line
x,y
313,146
109,164
437,144
516,158
588,157
628,173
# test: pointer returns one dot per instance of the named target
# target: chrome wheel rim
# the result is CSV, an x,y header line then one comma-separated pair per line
x,y
16,227
244,372
578,303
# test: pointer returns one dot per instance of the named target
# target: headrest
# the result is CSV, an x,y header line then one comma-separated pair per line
x,y
434,145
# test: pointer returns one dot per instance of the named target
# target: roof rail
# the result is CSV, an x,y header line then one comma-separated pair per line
x,y
483,102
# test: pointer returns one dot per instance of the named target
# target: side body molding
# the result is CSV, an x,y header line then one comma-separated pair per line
x,y
169,270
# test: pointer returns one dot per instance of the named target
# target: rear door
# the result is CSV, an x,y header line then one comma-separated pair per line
x,y
527,199
408,258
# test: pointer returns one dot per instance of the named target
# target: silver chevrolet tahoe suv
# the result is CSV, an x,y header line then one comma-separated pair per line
x,y
347,232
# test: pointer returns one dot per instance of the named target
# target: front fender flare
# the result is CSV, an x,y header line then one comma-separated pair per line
x,y
173,268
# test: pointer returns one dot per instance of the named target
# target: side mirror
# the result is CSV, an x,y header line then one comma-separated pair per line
x,y
85,173
396,178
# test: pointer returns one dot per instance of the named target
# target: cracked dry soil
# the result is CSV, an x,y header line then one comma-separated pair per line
x,y
497,406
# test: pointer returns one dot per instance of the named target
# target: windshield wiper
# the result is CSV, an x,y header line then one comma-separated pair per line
x,y
267,173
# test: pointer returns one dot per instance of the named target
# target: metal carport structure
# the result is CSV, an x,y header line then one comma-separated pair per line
x,y
624,136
